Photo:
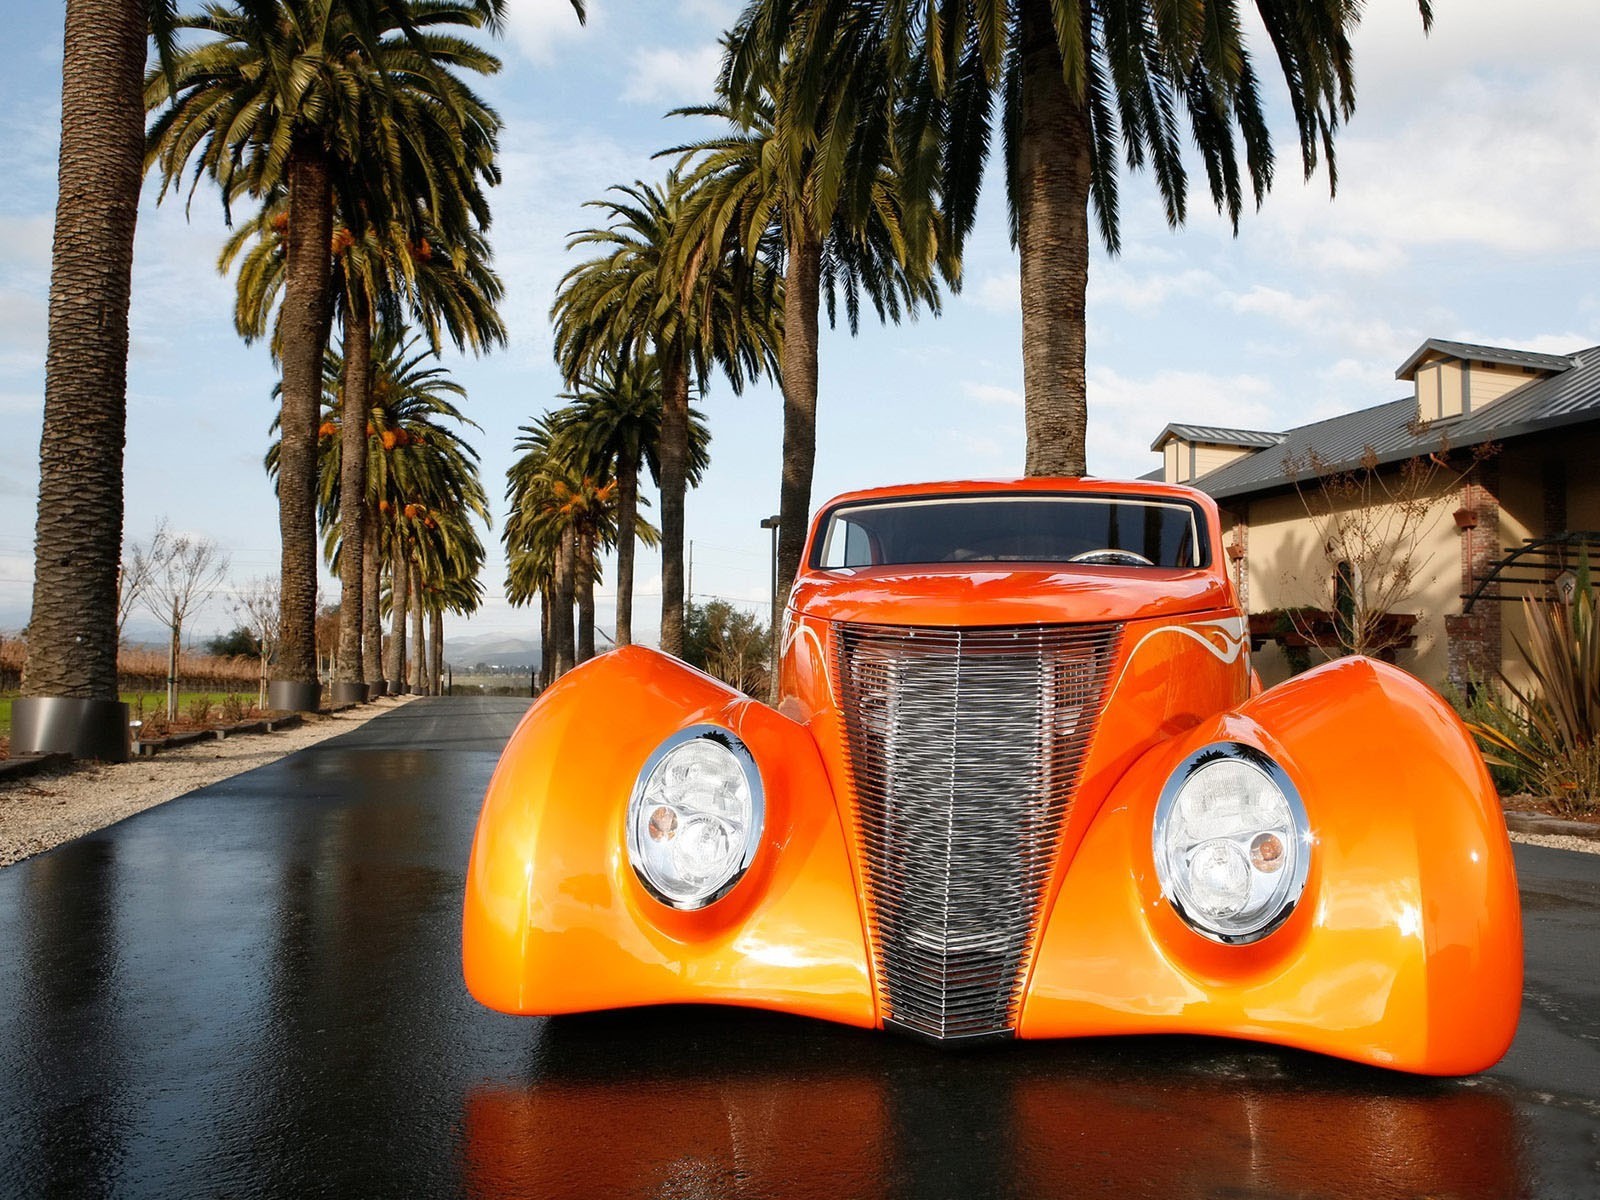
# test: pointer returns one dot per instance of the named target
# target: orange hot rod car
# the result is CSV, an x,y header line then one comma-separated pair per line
x,y
1021,781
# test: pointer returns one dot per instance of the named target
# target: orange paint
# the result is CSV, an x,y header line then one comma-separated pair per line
x,y
1410,903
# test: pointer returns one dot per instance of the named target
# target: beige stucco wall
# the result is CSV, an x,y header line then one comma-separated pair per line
x,y
1488,382
1452,390
1427,384
1209,458
1288,566
1446,387
1184,461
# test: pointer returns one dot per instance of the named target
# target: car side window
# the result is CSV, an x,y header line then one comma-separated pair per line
x,y
848,545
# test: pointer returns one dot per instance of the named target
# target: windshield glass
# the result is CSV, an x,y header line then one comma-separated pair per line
x,y
1093,530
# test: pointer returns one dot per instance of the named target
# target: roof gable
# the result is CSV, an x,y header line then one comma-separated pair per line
x,y
1392,432
1490,354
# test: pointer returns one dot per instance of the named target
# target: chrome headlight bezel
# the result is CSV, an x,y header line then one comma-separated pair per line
x,y
1287,892
730,742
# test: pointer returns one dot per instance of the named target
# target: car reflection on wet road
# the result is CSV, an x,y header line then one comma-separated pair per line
x,y
255,991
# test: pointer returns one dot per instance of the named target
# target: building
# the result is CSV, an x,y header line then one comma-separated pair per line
x,y
1500,451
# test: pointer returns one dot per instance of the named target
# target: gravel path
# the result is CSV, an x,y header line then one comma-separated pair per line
x,y
45,810
1559,841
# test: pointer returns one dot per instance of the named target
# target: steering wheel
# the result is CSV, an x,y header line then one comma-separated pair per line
x,y
1107,557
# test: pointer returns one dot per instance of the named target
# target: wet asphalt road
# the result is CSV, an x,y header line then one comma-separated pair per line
x,y
255,991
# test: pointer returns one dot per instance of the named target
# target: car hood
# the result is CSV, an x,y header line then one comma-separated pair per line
x,y
951,597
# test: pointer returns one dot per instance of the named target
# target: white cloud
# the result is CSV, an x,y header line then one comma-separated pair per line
x,y
999,293
993,394
1331,315
1112,284
660,76
1489,162
536,27
1125,413
25,244
23,326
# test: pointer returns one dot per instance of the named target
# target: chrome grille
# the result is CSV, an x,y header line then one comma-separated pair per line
x,y
963,748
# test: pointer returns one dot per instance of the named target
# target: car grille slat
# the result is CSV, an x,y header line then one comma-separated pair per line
x,y
963,749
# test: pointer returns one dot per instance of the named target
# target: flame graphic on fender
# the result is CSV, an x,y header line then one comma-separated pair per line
x,y
1226,637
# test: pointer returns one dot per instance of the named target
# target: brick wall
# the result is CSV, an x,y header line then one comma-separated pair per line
x,y
1475,638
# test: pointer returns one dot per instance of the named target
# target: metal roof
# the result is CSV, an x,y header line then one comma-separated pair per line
x,y
1392,433
1493,354
1216,435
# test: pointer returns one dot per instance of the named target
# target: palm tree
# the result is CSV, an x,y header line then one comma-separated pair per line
x,y
632,299
72,630
831,205
332,106
418,468
449,289
612,427
1078,81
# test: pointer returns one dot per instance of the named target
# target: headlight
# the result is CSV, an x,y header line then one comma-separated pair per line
x,y
695,816
1232,845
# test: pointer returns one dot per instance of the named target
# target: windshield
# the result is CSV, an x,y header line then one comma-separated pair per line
x,y
1094,530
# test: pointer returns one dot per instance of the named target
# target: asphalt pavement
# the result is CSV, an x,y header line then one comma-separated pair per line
x,y
255,990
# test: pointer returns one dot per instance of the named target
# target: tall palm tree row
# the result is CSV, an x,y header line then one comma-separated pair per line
x,y
420,483
611,428
814,176
450,290
332,107
635,297
1075,83
72,630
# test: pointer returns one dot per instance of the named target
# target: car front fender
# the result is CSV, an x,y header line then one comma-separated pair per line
x,y
1405,949
556,920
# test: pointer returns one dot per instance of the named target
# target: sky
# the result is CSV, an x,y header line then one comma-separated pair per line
x,y
1466,209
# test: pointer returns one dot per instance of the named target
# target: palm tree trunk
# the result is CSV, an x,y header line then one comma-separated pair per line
x,y
627,526
436,651
561,609
801,298
353,483
1052,197
371,615
546,645
419,653
585,583
399,572
72,632
303,326
674,469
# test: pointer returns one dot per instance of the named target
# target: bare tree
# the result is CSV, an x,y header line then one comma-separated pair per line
x,y
133,576
182,571
1372,522
257,606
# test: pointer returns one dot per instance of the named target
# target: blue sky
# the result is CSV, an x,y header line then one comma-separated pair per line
x,y
1466,209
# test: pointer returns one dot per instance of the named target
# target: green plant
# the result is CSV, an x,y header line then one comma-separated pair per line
x,y
1551,730
1483,705
155,725
231,710
200,710
1295,649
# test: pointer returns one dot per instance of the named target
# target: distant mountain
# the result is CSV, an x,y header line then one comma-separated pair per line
x,y
495,649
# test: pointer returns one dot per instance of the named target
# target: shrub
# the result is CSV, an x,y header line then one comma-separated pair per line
x,y
1484,705
231,710
1551,731
200,710
155,725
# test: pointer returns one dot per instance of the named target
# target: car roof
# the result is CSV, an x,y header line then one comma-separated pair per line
x,y
1132,488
